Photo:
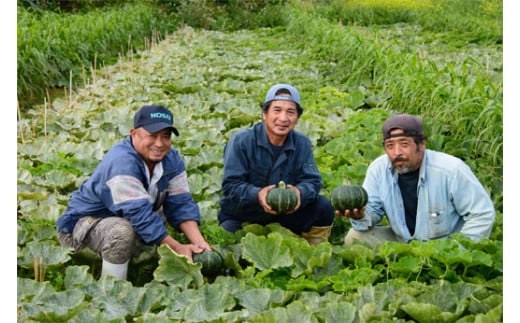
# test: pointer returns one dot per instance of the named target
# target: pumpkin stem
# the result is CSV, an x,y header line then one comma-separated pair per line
x,y
281,185
346,181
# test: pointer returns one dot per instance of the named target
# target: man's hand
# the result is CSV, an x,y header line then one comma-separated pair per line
x,y
262,196
182,249
298,195
203,245
355,214
187,250
192,232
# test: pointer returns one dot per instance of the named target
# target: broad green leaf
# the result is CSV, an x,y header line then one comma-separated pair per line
x,y
156,295
277,314
372,312
257,229
56,307
308,258
494,315
77,276
350,279
285,232
30,290
215,301
453,256
259,299
43,253
303,283
333,266
266,252
118,298
300,312
56,179
407,265
338,312
36,229
424,312
481,258
484,305
176,270
351,253
95,315
36,196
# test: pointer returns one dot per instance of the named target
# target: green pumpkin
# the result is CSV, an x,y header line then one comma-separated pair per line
x,y
348,197
212,262
282,199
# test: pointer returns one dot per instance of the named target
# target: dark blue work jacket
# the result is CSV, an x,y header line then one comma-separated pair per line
x,y
249,167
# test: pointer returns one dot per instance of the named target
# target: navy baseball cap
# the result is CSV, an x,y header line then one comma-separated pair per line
x,y
294,96
154,118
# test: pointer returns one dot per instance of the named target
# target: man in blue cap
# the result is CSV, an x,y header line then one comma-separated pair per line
x,y
138,187
258,158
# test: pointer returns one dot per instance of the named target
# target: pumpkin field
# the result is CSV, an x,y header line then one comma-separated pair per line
x,y
355,63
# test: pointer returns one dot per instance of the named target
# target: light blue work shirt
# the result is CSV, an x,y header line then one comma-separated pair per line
x,y
450,199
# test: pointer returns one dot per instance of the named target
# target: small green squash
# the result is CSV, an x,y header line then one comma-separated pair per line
x,y
212,262
348,197
282,199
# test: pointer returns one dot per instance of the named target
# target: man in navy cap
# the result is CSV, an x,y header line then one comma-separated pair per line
x,y
138,187
424,194
258,158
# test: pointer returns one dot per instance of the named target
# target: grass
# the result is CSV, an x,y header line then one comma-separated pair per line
x,y
61,50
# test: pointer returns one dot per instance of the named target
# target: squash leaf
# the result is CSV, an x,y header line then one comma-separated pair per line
x,y
215,301
266,252
260,299
425,312
118,298
45,252
307,257
176,270
338,312
77,276
31,290
56,307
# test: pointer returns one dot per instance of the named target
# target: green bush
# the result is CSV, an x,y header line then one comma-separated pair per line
x,y
55,50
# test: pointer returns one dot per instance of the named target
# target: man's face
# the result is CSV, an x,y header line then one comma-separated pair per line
x,y
151,147
405,155
280,118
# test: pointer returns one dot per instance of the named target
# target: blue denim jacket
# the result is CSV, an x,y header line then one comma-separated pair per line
x,y
119,187
248,167
450,199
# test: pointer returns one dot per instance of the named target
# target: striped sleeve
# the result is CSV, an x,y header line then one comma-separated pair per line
x,y
178,185
127,188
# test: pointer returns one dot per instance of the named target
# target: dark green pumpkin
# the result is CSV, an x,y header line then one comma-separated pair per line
x,y
212,262
348,197
281,199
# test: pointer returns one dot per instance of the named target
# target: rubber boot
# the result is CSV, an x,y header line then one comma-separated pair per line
x,y
317,234
118,271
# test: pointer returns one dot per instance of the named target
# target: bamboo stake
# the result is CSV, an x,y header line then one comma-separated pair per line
x,y
35,264
93,69
65,94
45,117
84,75
19,124
41,269
70,86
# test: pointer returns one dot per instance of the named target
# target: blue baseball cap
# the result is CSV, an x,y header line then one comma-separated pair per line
x,y
293,97
154,118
